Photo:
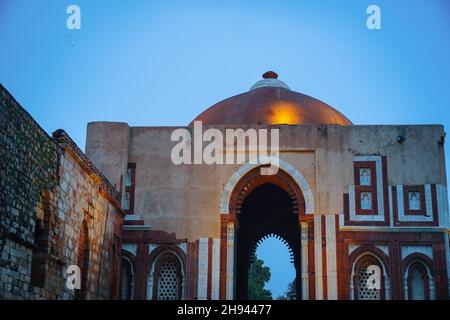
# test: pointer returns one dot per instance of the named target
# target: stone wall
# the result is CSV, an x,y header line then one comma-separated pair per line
x,y
48,189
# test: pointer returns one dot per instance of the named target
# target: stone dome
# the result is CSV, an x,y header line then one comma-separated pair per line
x,y
271,101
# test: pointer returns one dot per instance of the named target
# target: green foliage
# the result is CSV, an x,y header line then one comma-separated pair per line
x,y
258,276
290,293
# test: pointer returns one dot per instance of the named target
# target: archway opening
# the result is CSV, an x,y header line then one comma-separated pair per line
x,y
266,210
272,262
418,282
127,284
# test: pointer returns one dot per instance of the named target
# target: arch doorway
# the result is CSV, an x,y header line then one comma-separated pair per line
x,y
273,254
266,205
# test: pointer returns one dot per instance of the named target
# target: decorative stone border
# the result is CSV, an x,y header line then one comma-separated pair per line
x,y
285,166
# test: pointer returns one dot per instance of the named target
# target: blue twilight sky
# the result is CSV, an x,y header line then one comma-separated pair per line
x,y
163,62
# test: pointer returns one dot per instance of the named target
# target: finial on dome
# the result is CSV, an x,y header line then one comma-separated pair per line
x,y
270,79
270,75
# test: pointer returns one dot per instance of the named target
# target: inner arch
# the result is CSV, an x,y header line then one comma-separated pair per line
x,y
276,254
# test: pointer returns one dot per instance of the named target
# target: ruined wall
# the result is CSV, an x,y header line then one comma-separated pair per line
x,y
29,164
47,189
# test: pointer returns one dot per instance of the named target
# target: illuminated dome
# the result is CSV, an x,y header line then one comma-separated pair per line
x,y
271,101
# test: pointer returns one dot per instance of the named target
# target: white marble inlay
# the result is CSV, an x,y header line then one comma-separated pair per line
x,y
318,255
428,201
383,248
330,221
442,199
183,246
440,207
152,247
230,262
391,207
304,262
215,284
409,249
132,217
414,218
366,200
365,178
414,200
445,205
379,190
360,217
202,268
130,247
352,247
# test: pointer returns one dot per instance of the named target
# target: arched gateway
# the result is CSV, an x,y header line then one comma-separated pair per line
x,y
372,204
258,206
346,197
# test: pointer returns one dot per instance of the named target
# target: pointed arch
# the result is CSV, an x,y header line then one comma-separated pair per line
x,y
361,258
288,245
418,277
166,272
299,179
127,283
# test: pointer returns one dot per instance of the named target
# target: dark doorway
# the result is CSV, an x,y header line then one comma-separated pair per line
x,y
267,210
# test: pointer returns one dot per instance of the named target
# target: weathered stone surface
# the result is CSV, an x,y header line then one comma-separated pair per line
x,y
48,188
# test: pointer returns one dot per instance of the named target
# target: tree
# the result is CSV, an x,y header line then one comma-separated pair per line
x,y
290,293
258,276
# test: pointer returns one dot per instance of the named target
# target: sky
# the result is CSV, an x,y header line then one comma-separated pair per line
x,y
156,63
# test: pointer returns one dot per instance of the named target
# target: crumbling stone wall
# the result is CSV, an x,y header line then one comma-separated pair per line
x,y
48,188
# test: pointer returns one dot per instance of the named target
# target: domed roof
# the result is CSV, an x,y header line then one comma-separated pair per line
x,y
271,101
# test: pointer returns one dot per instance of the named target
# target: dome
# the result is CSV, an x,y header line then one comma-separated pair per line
x,y
271,101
